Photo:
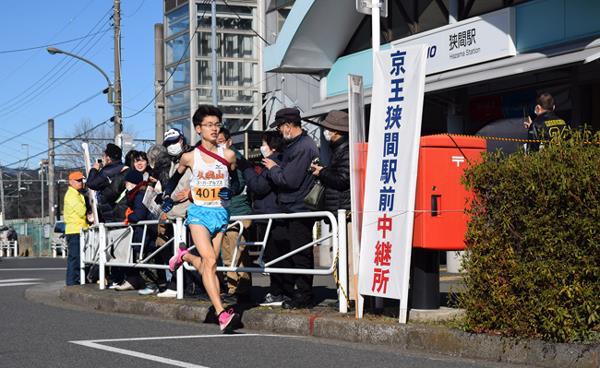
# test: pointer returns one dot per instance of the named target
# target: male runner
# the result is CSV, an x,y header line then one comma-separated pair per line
x,y
208,215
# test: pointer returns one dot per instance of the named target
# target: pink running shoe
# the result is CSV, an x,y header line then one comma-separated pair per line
x,y
228,320
177,260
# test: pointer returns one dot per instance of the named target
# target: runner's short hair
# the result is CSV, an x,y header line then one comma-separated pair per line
x,y
204,111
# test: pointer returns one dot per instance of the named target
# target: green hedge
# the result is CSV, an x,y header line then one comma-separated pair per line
x,y
533,259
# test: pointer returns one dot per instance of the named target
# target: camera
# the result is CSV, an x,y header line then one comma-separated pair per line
x,y
315,161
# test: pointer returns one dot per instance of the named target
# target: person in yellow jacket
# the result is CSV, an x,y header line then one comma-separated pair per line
x,y
75,219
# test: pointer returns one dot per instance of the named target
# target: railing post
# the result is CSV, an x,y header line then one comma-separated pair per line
x,y
178,237
81,255
342,261
102,239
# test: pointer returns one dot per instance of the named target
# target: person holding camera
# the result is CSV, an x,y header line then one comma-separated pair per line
x,y
335,178
293,182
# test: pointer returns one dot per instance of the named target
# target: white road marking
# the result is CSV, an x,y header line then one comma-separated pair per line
x,y
34,269
94,344
19,280
19,284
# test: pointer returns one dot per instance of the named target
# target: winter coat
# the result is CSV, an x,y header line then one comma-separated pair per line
x,y
336,177
109,183
262,189
292,178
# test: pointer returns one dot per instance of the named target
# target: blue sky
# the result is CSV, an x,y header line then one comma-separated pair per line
x,y
37,85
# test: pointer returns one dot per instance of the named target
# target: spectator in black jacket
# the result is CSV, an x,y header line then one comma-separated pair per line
x,y
101,178
335,178
136,212
293,182
264,201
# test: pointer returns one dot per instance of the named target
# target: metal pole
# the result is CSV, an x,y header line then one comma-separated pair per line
x,y
42,191
375,30
51,154
213,29
159,80
19,194
118,127
2,214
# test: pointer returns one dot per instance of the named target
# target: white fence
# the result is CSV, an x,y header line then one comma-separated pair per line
x,y
7,247
110,244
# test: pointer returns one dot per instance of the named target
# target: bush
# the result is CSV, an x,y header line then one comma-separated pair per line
x,y
533,243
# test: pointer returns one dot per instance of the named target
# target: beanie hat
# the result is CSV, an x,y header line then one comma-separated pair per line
x,y
134,177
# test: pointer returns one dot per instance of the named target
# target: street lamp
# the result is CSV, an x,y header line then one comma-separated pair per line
x,y
108,90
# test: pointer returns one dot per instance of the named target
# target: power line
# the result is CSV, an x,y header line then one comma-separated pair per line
x,y
59,65
60,144
54,117
12,72
49,82
240,18
179,62
53,44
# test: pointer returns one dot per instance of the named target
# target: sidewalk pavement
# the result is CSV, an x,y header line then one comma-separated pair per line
x,y
324,321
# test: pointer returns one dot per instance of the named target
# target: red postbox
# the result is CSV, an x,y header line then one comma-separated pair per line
x,y
440,222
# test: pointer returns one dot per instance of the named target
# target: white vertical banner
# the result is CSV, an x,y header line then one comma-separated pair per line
x,y
391,177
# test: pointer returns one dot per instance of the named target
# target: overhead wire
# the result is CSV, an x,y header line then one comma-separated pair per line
x,y
54,43
48,83
53,117
268,44
12,72
60,144
47,75
179,62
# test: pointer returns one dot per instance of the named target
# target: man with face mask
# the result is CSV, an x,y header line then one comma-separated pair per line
x,y
166,164
335,178
293,182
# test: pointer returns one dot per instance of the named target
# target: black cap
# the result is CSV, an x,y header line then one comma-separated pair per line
x,y
287,115
113,151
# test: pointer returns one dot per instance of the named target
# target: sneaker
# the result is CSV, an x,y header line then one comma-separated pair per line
x,y
149,290
297,303
177,260
168,293
273,300
112,285
124,286
228,320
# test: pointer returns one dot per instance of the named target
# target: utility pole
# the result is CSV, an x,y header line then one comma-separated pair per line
x,y
213,37
42,190
118,124
159,82
19,194
3,214
51,154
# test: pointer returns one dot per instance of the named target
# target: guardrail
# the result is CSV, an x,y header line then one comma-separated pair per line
x,y
8,246
113,240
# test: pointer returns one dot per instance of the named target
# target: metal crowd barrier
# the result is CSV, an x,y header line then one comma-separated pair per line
x,y
59,244
9,246
102,244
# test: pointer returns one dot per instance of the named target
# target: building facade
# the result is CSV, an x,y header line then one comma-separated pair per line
x,y
187,62
488,58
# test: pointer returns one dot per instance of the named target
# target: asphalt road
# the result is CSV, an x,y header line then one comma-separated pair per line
x,y
48,333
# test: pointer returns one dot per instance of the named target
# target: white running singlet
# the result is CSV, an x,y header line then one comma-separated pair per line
x,y
208,179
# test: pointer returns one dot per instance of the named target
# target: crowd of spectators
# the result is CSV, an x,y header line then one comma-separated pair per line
x,y
277,183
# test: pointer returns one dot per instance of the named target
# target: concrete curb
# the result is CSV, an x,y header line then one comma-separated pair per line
x,y
325,324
